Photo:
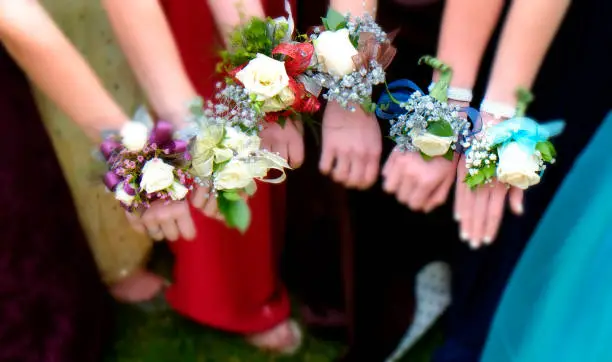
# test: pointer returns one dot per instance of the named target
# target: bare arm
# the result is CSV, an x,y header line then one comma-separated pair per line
x,y
355,7
56,67
146,39
467,26
527,35
230,13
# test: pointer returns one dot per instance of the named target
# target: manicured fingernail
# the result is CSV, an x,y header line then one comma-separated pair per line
x,y
474,244
457,217
520,209
464,236
487,240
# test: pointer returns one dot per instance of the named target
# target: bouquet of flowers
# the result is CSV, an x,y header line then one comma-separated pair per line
x,y
351,58
514,151
226,155
425,122
146,163
265,61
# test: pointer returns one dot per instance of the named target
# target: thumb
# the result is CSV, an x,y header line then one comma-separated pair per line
x,y
516,201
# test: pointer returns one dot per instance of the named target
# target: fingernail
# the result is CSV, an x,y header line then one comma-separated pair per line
x,y
474,244
457,217
464,236
487,240
520,209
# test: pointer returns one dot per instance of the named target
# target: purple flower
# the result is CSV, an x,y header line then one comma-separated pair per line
x,y
141,158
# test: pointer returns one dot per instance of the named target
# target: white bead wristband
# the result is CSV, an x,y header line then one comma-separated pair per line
x,y
498,109
456,93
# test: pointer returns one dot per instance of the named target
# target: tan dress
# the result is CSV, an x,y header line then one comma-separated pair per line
x,y
117,248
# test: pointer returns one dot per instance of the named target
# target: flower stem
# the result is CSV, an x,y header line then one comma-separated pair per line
x,y
524,97
440,90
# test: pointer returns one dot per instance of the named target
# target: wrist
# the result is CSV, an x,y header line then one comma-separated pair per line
x,y
498,110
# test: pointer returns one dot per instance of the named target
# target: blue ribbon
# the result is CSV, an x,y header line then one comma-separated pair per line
x,y
524,131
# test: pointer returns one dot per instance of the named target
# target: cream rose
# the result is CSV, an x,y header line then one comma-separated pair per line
x,y
432,145
335,51
178,191
134,135
517,167
263,76
240,142
234,175
156,176
123,196
280,102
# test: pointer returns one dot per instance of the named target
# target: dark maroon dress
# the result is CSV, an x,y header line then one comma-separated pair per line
x,y
52,303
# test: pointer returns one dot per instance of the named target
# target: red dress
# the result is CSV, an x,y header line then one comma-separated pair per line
x,y
222,278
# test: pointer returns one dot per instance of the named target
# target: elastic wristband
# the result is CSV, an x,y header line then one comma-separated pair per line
x,y
456,93
498,109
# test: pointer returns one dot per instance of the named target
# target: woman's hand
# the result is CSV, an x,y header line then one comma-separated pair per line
x,y
286,140
162,220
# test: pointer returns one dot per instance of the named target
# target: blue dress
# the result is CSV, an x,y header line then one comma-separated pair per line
x,y
558,303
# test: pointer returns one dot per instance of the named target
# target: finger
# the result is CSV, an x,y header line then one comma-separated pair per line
x,y
516,201
356,174
389,164
461,191
136,222
405,190
341,169
393,179
200,197
481,207
185,224
440,194
154,229
370,174
495,213
295,150
327,160
170,228
420,195
211,209
281,149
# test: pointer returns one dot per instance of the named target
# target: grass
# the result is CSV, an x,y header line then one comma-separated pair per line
x,y
152,332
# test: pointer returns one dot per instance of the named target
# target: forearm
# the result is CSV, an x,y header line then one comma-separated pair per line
x,y
147,41
355,7
230,13
467,26
56,67
527,35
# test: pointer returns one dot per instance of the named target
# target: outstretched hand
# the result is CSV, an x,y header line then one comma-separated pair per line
x,y
352,145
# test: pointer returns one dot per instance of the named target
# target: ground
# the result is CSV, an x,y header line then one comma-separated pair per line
x,y
153,333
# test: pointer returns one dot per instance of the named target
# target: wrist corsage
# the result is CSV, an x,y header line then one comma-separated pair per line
x,y
226,157
421,122
270,66
146,163
515,151
351,58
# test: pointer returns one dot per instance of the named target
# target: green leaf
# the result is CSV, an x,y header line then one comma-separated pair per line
x,y
368,106
475,180
450,155
333,20
342,25
547,150
282,120
236,213
489,171
440,90
425,156
231,195
440,129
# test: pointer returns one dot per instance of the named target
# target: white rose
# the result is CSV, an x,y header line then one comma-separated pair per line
x,y
263,76
178,191
517,167
432,145
282,101
156,176
234,175
123,196
134,135
335,51
240,142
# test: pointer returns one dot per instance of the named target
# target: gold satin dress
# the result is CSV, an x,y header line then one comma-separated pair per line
x,y
117,248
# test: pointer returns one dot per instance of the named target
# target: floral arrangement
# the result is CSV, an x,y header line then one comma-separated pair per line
x,y
265,61
421,122
146,163
515,151
351,58
226,155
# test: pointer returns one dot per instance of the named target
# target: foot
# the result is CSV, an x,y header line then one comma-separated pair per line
x,y
140,286
285,338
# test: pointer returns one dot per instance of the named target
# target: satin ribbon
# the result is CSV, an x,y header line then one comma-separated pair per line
x,y
369,48
400,91
524,131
